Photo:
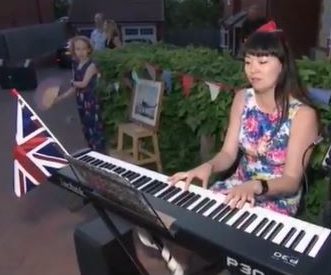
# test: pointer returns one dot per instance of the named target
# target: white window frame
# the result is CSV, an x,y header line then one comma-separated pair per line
x,y
151,37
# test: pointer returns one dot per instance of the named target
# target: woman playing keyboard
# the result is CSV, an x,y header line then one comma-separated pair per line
x,y
272,124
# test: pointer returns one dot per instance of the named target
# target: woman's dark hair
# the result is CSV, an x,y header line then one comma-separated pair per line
x,y
288,83
112,28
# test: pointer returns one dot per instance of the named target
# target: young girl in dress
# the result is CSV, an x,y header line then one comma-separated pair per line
x,y
84,85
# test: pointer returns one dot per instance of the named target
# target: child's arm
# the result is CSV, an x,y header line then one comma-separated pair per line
x,y
90,72
68,93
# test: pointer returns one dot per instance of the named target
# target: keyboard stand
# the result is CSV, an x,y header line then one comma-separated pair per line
x,y
116,233
98,251
108,191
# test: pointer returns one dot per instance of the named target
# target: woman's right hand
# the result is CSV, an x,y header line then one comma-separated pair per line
x,y
201,172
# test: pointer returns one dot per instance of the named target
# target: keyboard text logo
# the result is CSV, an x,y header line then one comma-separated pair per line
x,y
72,187
286,259
242,267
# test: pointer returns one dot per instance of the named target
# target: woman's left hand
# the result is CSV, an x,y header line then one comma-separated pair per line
x,y
239,195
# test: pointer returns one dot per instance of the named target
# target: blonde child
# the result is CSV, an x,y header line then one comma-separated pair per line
x,y
84,85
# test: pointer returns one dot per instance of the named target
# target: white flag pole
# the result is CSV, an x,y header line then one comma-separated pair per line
x,y
15,93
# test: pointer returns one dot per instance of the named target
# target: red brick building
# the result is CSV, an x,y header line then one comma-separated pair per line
x,y
298,18
17,13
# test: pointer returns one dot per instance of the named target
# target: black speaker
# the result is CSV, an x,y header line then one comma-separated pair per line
x,y
99,253
19,77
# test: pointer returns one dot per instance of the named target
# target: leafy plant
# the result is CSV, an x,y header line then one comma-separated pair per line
x,y
196,13
61,8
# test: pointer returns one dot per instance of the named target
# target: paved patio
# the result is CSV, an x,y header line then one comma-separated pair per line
x,y
37,230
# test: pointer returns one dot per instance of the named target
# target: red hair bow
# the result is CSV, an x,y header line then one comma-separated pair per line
x,y
268,27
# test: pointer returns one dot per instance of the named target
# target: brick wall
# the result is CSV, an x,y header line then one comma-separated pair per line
x,y
245,4
229,6
325,23
17,13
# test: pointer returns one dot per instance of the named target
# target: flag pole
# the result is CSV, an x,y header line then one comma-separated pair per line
x,y
15,93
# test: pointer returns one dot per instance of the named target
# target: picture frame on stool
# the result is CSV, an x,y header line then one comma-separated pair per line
x,y
142,129
146,103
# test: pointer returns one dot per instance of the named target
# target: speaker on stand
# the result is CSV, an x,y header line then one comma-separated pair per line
x,y
98,251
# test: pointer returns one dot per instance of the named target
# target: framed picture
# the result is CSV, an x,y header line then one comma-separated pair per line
x,y
147,103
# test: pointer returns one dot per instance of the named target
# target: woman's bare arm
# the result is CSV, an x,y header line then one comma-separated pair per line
x,y
117,42
304,132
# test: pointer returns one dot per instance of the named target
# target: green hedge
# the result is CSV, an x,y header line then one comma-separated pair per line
x,y
184,120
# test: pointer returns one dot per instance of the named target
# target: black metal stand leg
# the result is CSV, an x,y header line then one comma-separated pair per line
x,y
113,229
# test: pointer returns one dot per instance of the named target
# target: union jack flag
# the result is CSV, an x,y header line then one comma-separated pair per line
x,y
36,152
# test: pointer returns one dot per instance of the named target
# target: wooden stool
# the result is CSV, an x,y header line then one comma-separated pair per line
x,y
137,154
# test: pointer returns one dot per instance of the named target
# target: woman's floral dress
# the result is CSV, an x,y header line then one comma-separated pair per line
x,y
264,152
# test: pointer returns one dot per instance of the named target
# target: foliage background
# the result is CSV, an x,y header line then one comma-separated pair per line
x,y
61,8
185,120
192,13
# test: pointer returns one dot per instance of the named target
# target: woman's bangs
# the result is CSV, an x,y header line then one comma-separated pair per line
x,y
259,52
262,44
